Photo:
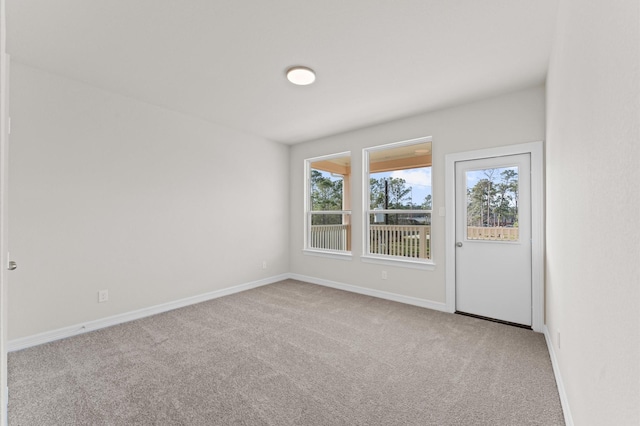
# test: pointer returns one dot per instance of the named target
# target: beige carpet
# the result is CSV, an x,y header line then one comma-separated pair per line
x,y
289,353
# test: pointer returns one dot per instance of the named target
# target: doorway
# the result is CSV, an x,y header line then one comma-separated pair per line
x,y
494,234
493,238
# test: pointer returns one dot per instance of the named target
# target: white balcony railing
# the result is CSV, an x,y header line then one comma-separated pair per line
x,y
498,233
412,241
330,237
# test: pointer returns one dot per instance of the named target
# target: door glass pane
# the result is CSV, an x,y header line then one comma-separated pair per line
x,y
492,204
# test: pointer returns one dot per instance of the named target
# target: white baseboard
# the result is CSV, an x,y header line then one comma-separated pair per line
x,y
564,401
424,303
61,333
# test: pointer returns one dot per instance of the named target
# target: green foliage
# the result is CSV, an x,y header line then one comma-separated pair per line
x,y
397,193
427,204
493,201
376,193
326,194
396,196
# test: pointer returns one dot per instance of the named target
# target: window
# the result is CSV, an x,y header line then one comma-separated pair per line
x,y
398,201
328,205
492,204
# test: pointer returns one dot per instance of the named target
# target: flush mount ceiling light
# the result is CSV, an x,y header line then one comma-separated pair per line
x,y
301,76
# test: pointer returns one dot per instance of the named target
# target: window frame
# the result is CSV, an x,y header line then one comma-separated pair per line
x,y
308,213
367,211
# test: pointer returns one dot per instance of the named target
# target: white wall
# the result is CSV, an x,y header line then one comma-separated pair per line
x,y
111,193
593,208
504,120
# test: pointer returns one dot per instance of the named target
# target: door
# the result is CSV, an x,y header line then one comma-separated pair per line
x,y
493,238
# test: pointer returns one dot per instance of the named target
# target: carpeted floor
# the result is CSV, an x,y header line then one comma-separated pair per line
x,y
289,353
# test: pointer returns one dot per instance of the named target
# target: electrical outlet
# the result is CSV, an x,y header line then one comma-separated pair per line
x,y
103,296
384,275
264,264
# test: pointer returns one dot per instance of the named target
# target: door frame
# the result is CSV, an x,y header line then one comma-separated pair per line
x,y
535,149
4,257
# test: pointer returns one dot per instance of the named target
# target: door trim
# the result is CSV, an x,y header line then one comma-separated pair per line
x,y
4,256
535,149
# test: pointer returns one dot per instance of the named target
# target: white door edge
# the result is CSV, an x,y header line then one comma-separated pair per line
x,y
535,149
4,104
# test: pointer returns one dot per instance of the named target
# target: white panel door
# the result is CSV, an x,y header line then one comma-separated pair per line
x,y
493,238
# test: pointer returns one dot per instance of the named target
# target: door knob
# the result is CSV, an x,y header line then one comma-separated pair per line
x,y
458,244
12,265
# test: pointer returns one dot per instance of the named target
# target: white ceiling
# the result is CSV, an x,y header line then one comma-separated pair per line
x,y
224,60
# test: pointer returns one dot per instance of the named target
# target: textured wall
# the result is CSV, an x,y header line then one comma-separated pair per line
x,y
110,193
593,205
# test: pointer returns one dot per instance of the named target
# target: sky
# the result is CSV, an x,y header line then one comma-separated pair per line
x,y
418,179
473,176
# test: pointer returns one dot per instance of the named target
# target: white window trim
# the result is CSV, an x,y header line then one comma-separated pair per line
x,y
398,261
367,257
333,254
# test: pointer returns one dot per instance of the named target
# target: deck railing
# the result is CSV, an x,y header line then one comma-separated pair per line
x,y
498,233
412,241
330,237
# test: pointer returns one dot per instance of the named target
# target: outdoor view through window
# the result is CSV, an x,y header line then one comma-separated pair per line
x,y
492,204
329,208
400,200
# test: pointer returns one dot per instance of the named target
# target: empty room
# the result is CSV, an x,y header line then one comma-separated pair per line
x,y
335,213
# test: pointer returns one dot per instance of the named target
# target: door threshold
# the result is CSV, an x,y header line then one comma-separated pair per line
x,y
512,324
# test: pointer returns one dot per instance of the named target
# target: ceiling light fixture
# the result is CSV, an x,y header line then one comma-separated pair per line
x,y
301,76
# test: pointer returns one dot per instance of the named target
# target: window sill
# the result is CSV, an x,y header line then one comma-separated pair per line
x,y
328,254
426,265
